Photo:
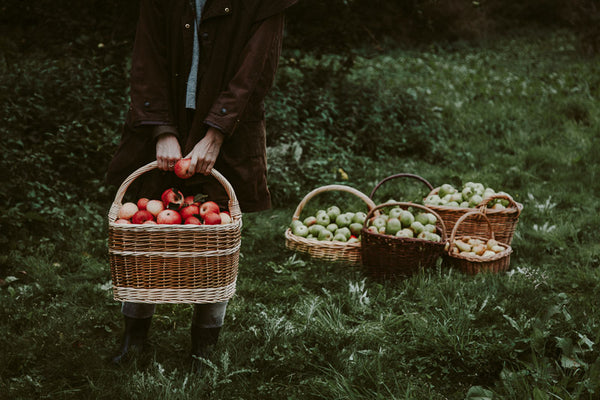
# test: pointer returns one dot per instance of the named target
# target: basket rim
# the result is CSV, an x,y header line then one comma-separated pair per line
x,y
514,205
233,204
319,243
328,188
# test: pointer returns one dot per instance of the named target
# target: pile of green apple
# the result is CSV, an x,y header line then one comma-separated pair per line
x,y
469,196
330,224
401,222
476,247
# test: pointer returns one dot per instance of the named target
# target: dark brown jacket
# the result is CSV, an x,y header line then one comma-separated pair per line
x,y
240,45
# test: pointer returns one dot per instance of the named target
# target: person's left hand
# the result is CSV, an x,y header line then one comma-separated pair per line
x,y
205,152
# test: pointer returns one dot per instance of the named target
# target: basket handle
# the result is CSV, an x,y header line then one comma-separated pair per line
x,y
460,221
402,175
512,203
329,188
234,206
407,204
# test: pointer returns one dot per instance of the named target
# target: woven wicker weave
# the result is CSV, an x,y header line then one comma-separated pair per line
x,y
174,263
326,250
504,222
472,264
390,257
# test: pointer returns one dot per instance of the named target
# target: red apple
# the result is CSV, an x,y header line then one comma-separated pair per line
x,y
127,210
181,168
155,207
192,221
225,217
141,203
168,217
172,199
212,218
142,216
122,221
209,207
189,211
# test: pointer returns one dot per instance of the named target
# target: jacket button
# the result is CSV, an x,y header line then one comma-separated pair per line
x,y
223,110
227,10
146,104
187,26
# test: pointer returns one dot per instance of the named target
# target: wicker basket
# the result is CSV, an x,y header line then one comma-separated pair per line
x,y
174,263
504,222
326,250
471,264
389,257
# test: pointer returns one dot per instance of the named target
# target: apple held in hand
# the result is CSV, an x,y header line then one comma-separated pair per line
x,y
182,170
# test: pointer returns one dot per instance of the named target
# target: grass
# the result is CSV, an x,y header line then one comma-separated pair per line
x,y
521,114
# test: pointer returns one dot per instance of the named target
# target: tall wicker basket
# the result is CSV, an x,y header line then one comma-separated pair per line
x,y
174,263
326,250
391,257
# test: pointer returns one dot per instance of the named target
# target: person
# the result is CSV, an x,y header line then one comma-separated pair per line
x,y
200,72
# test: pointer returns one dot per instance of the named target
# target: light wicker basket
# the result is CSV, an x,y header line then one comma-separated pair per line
x,y
504,222
472,264
390,257
326,250
174,263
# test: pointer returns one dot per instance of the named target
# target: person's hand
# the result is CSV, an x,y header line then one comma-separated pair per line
x,y
205,152
168,151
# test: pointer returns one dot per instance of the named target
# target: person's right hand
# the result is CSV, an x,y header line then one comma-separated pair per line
x,y
168,151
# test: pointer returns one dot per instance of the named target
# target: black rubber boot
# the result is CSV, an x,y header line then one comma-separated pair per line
x,y
134,338
204,341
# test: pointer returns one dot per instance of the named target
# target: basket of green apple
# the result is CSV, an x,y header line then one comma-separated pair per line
x,y
400,238
474,254
330,233
500,208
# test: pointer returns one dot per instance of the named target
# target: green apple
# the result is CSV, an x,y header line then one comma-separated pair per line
x,y
433,199
417,227
353,240
422,218
429,228
295,223
323,218
458,197
315,229
300,230
325,235
407,218
395,212
333,212
359,217
467,192
475,200
378,222
355,228
343,220
393,225
340,237
350,215
434,237
332,227
310,220
464,204
445,189
344,231
382,230
488,192
373,229
406,232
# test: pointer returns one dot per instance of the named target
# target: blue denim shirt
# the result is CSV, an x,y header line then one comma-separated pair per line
x,y
190,100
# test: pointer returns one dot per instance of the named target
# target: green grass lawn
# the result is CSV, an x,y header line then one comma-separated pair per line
x,y
519,114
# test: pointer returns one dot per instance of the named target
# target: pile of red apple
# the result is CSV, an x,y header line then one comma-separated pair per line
x,y
173,208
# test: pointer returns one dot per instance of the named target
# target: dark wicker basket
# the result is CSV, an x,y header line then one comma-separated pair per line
x,y
390,257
